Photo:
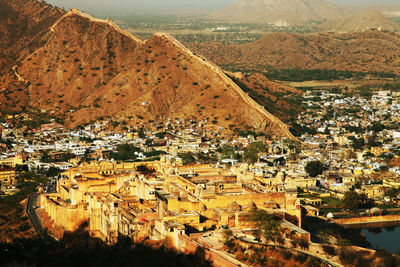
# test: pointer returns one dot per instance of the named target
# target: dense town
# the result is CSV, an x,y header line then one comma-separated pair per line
x,y
190,187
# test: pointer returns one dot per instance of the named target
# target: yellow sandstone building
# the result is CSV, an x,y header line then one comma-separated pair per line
x,y
116,199
7,175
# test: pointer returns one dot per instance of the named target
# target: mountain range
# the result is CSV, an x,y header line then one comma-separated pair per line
x,y
291,12
322,15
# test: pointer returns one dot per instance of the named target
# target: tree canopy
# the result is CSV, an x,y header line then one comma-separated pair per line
x,y
351,200
265,222
125,152
314,168
187,158
251,154
357,143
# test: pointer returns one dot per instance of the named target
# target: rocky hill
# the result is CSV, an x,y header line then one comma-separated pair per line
x,y
90,69
23,28
365,21
288,12
363,51
275,97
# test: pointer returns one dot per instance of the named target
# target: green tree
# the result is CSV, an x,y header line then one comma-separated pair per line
x,y
387,258
357,143
392,192
351,201
125,152
251,154
377,127
329,250
347,256
304,244
144,169
142,134
187,158
314,168
298,130
266,223
229,152
386,156
31,124
368,155
372,142
228,236
323,236
293,146
53,171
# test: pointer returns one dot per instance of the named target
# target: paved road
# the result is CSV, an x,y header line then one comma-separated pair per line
x,y
31,212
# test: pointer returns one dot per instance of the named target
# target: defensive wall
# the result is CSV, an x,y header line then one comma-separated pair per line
x,y
368,220
69,216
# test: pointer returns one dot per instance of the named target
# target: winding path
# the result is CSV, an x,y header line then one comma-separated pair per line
x,y
31,212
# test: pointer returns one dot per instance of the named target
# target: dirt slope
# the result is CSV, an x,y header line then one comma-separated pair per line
x,y
275,97
89,69
23,26
363,51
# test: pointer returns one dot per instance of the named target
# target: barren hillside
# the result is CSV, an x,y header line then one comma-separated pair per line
x,y
275,97
23,26
89,69
363,51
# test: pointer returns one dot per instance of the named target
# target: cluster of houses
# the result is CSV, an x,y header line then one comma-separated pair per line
x,y
356,138
183,176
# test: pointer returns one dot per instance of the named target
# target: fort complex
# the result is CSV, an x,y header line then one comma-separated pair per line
x,y
160,200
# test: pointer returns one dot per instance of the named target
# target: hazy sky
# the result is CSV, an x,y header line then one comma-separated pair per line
x,y
171,5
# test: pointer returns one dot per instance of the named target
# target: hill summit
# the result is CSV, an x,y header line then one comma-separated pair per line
x,y
89,69
280,12
368,20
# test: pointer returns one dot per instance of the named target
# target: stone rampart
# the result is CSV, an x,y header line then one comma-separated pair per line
x,y
368,219
68,216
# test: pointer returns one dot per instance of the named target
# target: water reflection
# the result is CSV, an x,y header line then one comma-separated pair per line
x,y
384,237
375,230
390,228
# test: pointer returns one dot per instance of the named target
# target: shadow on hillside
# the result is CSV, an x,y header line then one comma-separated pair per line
x,y
315,225
79,249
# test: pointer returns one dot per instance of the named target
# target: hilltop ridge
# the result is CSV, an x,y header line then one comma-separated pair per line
x,y
367,51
